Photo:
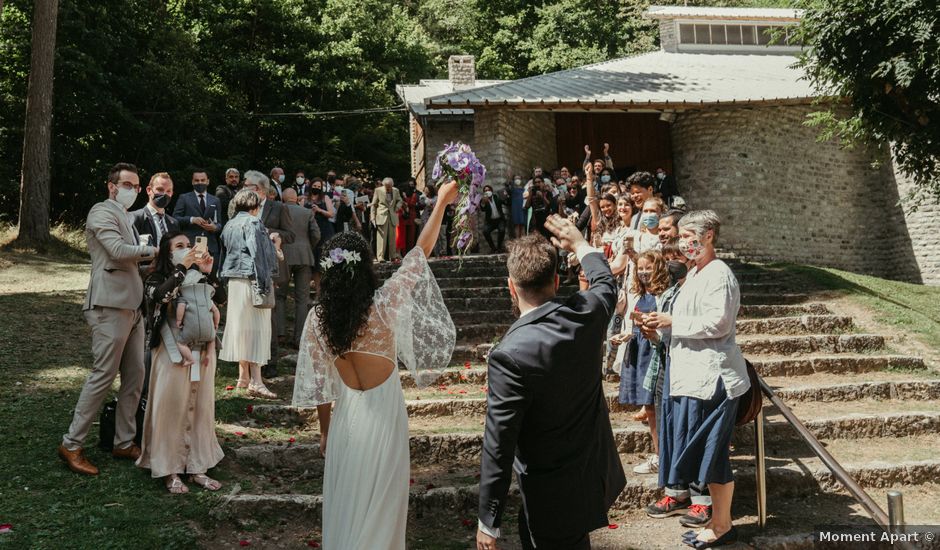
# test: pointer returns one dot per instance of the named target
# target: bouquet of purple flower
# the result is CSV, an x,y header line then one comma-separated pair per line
x,y
458,162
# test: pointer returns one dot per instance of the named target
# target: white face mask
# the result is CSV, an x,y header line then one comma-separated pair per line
x,y
280,179
126,197
179,254
299,180
488,194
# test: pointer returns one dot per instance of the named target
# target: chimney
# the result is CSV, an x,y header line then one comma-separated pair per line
x,y
461,71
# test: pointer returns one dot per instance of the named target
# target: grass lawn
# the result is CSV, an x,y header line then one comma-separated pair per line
x,y
910,308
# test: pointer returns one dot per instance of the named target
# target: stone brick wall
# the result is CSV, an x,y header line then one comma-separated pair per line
x,y
461,71
514,141
783,196
668,39
922,227
439,132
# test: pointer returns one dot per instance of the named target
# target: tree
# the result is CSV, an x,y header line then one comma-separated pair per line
x,y
884,57
37,171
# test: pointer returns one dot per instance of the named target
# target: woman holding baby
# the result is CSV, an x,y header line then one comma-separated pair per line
x,y
179,426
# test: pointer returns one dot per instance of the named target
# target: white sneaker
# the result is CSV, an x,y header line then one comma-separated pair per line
x,y
651,466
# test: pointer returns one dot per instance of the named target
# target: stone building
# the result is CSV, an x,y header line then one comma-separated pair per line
x,y
722,107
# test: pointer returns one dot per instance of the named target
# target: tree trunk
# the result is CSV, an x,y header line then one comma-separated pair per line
x,y
36,174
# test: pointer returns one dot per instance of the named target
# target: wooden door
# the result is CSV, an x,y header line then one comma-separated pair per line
x,y
638,141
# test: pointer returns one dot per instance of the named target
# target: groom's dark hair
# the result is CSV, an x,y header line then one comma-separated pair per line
x,y
532,264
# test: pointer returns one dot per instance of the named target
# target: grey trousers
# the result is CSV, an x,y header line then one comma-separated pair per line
x,y
280,292
117,343
385,242
301,274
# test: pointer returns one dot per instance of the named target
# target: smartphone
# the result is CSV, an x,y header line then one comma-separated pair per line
x,y
636,316
210,213
202,245
628,242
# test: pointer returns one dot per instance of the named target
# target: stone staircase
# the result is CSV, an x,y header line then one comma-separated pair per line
x,y
876,410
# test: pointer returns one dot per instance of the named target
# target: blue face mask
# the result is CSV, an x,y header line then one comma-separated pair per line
x,y
605,179
649,220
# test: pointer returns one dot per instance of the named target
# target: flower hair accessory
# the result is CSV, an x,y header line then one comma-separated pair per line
x,y
338,256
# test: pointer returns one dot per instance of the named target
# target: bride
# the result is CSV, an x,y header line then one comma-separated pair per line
x,y
352,342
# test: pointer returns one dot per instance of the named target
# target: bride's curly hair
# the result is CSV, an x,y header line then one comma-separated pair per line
x,y
345,293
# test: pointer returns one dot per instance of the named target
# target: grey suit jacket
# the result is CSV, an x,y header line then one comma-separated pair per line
x,y
112,243
306,236
278,220
380,210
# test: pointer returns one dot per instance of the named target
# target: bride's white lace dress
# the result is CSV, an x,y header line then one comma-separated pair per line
x,y
365,485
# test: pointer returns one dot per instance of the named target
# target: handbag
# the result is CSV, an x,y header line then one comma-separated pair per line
x,y
107,421
259,300
752,401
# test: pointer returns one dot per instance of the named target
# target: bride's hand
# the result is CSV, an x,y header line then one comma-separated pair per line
x,y
323,445
448,192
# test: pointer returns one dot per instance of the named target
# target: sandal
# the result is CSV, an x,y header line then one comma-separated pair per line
x,y
205,482
640,416
241,384
176,486
261,391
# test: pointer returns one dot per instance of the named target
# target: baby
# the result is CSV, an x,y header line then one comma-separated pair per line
x,y
197,317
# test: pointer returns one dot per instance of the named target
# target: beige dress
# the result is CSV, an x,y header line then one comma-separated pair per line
x,y
179,426
247,335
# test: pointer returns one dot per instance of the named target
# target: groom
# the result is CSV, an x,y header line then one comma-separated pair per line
x,y
547,416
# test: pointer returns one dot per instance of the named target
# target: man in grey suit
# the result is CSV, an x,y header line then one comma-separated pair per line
x,y
277,219
112,308
386,200
299,258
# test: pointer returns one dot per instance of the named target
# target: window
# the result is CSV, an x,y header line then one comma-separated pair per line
x,y
701,35
738,35
734,34
747,36
686,34
764,35
718,34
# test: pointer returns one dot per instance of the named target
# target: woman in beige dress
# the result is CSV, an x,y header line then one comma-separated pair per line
x,y
179,426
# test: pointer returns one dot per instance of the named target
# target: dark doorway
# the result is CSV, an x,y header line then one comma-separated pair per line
x,y
638,141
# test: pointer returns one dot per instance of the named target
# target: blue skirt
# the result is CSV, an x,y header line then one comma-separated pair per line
x,y
694,436
516,202
637,361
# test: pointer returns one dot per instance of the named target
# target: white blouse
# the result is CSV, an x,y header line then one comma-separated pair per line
x,y
703,328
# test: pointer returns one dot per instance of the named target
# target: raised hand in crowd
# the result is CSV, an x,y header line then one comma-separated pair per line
x,y
565,234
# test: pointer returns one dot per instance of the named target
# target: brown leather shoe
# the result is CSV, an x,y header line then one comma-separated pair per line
x,y
132,452
77,462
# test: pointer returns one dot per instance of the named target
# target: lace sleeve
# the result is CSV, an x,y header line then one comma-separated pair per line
x,y
316,376
411,302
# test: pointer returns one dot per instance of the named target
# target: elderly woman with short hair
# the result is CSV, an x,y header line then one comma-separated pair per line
x,y
707,376
249,266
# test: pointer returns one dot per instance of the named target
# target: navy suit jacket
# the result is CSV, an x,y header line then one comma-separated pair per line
x,y
547,415
145,224
187,207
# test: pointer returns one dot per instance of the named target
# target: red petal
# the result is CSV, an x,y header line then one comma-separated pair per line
x,y
466,522
313,544
429,486
250,408
462,377
411,481
244,543
291,440
463,391
613,526
6,527
466,365
240,433
229,388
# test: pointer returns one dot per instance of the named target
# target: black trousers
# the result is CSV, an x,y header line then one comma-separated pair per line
x,y
498,225
579,542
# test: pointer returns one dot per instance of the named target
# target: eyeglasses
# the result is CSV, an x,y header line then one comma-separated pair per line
x,y
130,185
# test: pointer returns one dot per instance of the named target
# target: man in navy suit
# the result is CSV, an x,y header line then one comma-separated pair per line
x,y
547,417
198,214
152,219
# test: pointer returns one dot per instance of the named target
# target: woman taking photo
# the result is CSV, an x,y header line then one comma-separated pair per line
x,y
249,265
352,343
707,376
179,426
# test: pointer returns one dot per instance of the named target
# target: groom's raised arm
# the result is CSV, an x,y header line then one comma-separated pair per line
x,y
506,402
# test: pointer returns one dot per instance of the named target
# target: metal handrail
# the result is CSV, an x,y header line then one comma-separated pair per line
x,y
847,481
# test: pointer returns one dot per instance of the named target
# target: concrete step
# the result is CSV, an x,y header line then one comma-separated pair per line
x,y
810,344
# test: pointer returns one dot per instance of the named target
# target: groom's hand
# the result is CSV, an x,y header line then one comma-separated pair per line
x,y
566,234
485,542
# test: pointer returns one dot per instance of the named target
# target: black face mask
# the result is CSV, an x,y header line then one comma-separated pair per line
x,y
677,270
200,187
161,200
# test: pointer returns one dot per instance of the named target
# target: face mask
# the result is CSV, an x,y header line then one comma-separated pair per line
x,y
280,179
650,220
200,187
126,197
299,180
677,270
518,182
338,189
693,249
488,194
605,179
179,254
161,200
644,277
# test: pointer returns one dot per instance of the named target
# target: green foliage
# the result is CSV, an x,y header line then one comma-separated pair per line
x,y
179,84
885,56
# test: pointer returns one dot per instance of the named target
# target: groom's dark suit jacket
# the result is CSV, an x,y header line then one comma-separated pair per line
x,y
547,416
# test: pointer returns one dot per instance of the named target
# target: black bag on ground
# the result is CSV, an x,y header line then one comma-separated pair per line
x,y
106,424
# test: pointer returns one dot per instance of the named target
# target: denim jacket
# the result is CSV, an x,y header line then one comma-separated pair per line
x,y
249,252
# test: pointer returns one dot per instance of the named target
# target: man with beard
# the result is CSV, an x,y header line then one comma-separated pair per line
x,y
225,193
547,415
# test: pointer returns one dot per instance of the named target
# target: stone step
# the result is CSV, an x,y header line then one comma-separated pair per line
x,y
774,298
801,479
489,281
908,390
811,343
804,324
765,311
502,316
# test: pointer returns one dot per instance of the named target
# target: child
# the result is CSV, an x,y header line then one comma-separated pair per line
x,y
197,316
650,279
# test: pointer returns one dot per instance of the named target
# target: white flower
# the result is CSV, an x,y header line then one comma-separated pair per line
x,y
353,256
326,263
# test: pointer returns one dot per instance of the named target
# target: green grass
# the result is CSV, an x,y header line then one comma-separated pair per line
x,y
911,308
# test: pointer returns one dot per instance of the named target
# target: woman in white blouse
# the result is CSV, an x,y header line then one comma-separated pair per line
x,y
706,378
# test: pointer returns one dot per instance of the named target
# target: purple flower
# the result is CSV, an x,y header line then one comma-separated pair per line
x,y
336,255
463,240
